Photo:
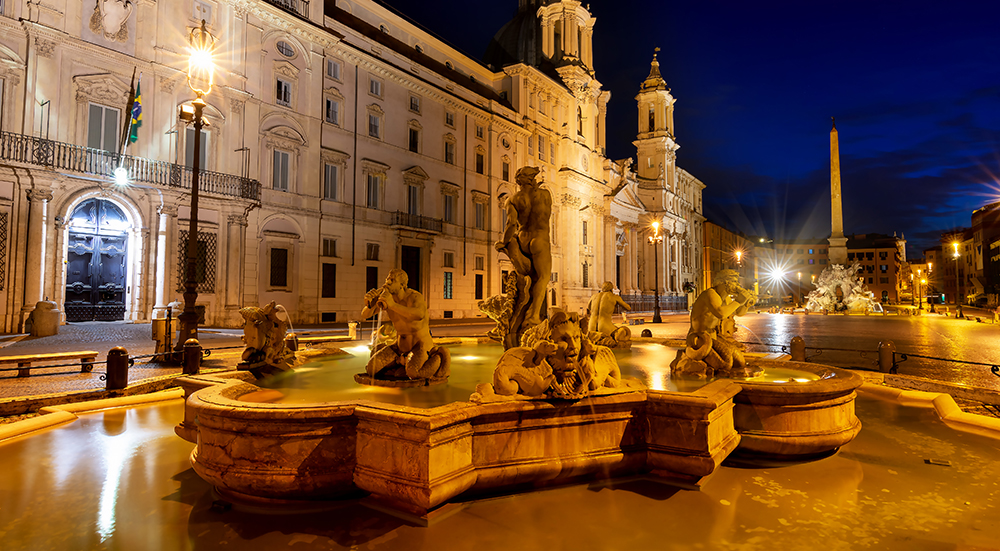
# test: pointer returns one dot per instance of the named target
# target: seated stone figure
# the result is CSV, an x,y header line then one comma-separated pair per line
x,y
412,355
264,335
711,349
555,360
601,329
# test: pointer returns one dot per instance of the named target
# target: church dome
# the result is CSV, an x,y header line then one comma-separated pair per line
x,y
518,41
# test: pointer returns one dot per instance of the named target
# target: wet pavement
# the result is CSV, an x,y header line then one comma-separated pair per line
x,y
121,479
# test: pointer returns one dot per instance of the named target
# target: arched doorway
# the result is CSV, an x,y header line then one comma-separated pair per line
x,y
96,262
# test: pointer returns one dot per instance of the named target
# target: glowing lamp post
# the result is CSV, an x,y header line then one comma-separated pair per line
x,y
799,298
655,240
200,76
958,303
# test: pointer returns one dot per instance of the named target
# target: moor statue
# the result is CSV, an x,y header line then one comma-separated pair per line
x,y
601,328
526,243
711,350
412,355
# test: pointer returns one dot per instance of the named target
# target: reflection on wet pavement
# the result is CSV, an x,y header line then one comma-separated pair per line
x,y
122,480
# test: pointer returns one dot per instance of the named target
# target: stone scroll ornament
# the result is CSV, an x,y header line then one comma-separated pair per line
x,y
711,349
264,335
555,360
405,356
110,19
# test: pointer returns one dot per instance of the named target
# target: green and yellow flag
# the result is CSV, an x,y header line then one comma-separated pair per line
x,y
133,134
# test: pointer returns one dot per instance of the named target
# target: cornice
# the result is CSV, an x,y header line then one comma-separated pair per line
x,y
282,20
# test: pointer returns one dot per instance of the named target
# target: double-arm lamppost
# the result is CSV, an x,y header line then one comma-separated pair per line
x,y
200,75
655,240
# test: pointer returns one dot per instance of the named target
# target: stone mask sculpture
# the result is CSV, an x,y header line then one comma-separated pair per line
x,y
711,350
264,335
411,358
601,329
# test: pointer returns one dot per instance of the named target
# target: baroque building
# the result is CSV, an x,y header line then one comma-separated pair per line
x,y
343,140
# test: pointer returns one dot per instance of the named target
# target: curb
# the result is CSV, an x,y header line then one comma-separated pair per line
x,y
945,406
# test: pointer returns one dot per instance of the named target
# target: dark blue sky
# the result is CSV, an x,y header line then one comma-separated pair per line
x,y
915,88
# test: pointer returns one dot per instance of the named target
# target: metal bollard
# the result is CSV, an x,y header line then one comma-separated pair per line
x,y
192,357
117,376
798,349
886,356
292,342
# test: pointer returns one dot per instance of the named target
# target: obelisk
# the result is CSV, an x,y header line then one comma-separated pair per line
x,y
838,243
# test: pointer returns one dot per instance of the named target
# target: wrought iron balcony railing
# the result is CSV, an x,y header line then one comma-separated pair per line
x,y
75,158
417,221
298,7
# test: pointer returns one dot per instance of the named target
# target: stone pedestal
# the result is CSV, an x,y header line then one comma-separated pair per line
x,y
44,319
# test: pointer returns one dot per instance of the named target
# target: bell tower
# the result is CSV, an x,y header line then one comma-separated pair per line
x,y
656,147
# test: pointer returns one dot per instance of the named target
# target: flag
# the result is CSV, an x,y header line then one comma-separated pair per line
x,y
133,134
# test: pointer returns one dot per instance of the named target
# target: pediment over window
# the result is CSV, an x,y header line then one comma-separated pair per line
x,y
287,69
415,173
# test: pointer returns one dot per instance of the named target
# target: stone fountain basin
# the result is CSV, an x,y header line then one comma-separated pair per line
x,y
415,459
796,420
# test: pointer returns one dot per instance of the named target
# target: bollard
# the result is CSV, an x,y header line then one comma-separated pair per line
x,y
886,356
352,330
798,349
192,357
647,333
292,342
117,376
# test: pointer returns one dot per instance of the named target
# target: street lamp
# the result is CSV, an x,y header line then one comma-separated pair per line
x,y
655,240
920,293
958,303
930,266
799,298
200,76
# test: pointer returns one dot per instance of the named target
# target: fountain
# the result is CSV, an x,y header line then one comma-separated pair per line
x,y
839,289
559,408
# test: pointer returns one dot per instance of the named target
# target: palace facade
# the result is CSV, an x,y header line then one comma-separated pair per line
x,y
342,141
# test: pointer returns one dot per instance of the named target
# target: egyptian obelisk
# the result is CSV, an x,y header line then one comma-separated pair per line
x,y
838,243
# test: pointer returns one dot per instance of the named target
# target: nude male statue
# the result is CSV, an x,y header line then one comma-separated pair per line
x,y
601,307
408,312
526,241
713,323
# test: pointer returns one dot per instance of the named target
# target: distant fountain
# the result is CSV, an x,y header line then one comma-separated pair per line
x,y
840,289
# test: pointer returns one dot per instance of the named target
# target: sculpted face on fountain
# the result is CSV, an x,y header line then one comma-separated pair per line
x,y
264,336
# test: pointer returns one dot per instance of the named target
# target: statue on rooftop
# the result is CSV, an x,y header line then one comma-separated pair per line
x,y
264,335
412,355
601,329
526,243
711,349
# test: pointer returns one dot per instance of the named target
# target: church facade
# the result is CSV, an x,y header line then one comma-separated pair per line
x,y
342,141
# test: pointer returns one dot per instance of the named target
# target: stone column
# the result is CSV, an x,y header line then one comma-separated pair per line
x,y
236,239
166,239
38,199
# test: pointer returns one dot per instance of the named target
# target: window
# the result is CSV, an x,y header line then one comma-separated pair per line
x,y
279,267
413,200
449,65
384,29
284,49
375,87
283,93
329,247
869,256
103,128
371,253
415,104
552,152
279,178
541,148
449,208
822,261
333,69
332,111
871,280
810,251
884,268
447,285
372,190
584,232
189,149
882,255
480,262
480,163
822,251
449,259
579,121
449,119
331,182
850,256
586,275
800,261
505,171
374,125
883,280
799,251
414,140
329,280
419,48
449,152
480,131
531,145
652,119
480,216
371,278
479,286
811,261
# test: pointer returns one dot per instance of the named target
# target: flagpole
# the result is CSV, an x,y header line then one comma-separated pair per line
x,y
128,111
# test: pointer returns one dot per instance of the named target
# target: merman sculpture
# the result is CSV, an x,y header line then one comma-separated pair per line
x,y
526,243
264,335
412,356
711,350
601,328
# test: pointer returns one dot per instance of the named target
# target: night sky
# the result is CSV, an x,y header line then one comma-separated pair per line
x,y
914,86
